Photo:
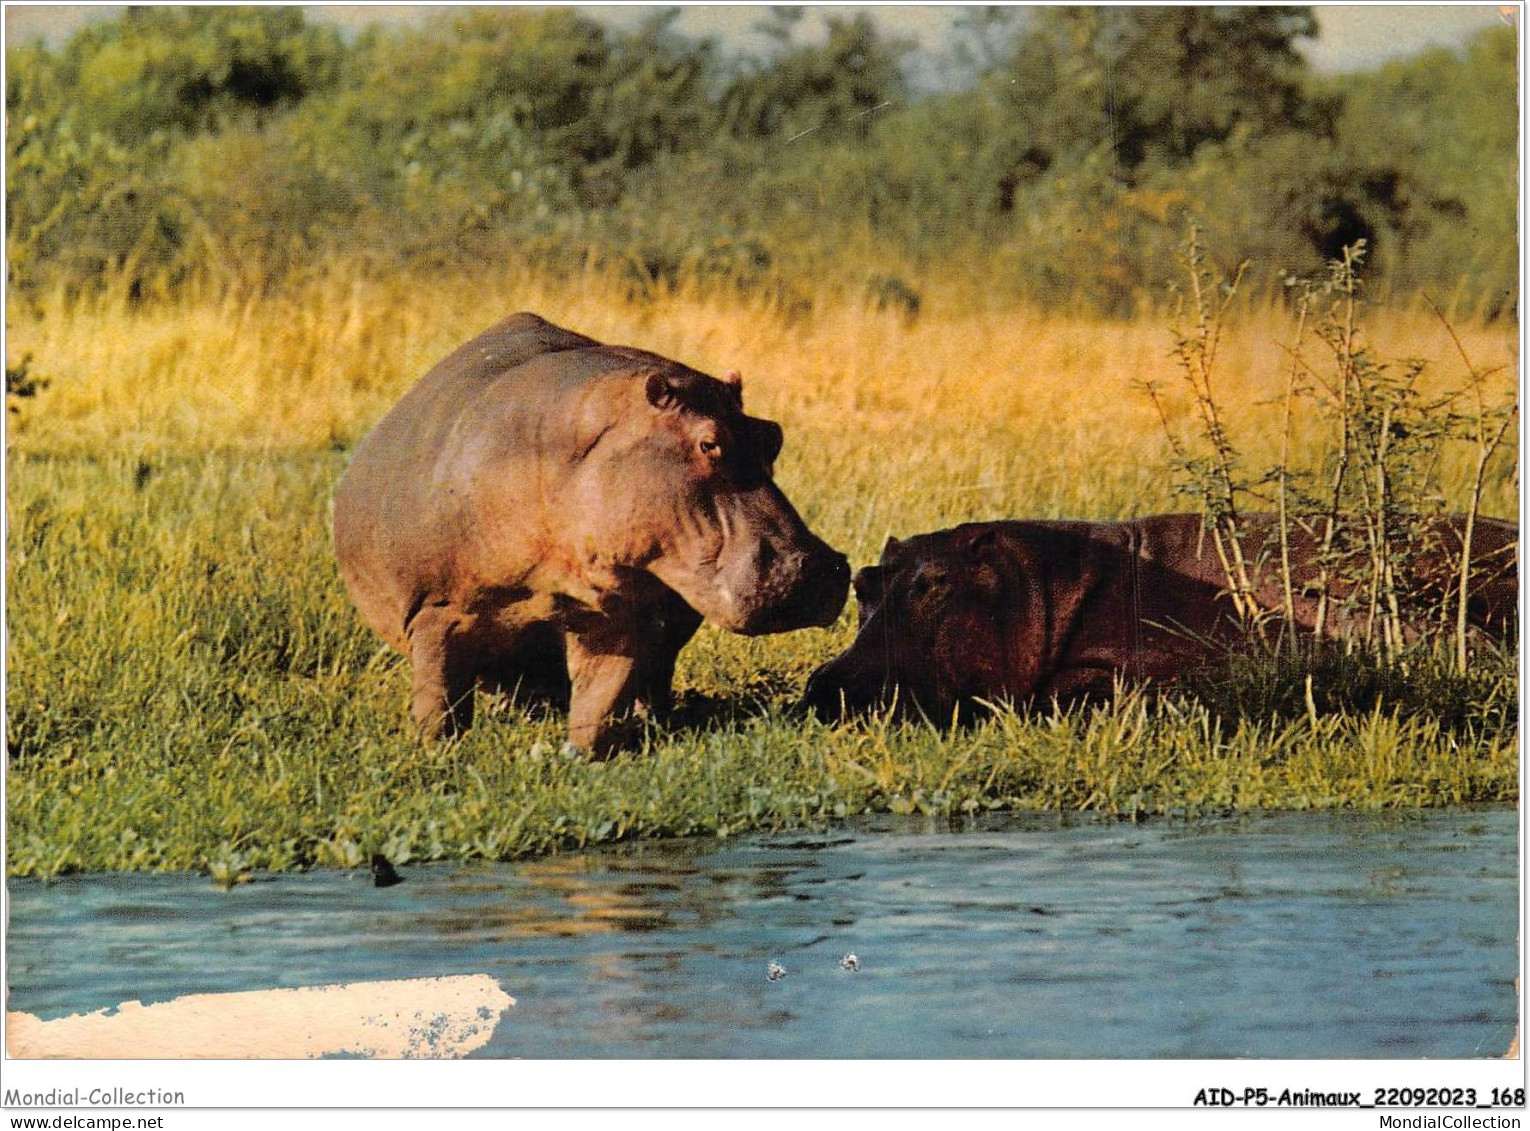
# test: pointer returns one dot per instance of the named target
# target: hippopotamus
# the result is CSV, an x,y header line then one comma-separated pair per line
x,y
548,514
1021,611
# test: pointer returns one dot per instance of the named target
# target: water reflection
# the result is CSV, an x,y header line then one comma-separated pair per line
x,y
1281,935
556,897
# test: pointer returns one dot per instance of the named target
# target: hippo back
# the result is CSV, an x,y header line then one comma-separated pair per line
x,y
389,515
1018,610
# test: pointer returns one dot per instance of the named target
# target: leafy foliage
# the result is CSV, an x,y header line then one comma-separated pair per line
x,y
247,148
1151,86
1370,499
826,89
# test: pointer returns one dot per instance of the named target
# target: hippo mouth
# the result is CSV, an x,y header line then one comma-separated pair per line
x,y
832,694
815,605
851,684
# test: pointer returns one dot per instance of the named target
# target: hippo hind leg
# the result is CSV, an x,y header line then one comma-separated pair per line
x,y
443,673
534,671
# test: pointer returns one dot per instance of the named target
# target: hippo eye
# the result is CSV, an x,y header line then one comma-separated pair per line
x,y
710,448
927,581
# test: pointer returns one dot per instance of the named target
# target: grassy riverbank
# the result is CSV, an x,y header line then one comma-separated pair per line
x,y
188,686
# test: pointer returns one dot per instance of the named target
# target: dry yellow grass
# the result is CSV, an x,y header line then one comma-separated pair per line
x,y
891,426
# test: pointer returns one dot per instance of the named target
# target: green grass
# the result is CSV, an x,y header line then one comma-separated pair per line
x,y
189,688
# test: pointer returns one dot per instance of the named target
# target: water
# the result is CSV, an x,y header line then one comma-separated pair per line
x,y
1278,935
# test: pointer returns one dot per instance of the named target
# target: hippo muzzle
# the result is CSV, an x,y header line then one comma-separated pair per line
x,y
875,672
771,573
845,685
819,584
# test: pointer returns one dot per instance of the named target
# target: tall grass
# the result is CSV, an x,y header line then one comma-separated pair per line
x,y
188,685
954,414
1369,500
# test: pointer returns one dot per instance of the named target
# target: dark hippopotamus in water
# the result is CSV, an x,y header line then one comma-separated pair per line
x,y
548,513
1026,611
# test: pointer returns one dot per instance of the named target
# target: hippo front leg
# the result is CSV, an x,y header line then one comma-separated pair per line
x,y
620,669
673,625
443,677
1081,685
606,681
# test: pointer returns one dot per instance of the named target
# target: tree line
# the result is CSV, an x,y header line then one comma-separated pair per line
x,y
168,149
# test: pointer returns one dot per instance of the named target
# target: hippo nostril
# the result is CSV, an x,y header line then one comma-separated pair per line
x,y
832,584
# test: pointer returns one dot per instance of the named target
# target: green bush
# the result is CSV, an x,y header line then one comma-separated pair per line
x,y
174,147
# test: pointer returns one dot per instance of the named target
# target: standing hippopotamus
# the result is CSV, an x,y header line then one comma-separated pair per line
x,y
1023,610
548,513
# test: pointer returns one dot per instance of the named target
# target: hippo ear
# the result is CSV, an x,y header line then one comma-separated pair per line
x,y
868,585
661,393
735,382
983,550
891,546
770,439
983,545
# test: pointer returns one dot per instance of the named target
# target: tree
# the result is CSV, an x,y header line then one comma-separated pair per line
x,y
1449,120
187,69
657,99
826,89
1152,85
979,41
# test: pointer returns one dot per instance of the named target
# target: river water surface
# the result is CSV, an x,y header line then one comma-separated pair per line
x,y
1274,935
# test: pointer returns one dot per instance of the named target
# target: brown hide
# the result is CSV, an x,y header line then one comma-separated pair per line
x,y
548,514
1018,611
